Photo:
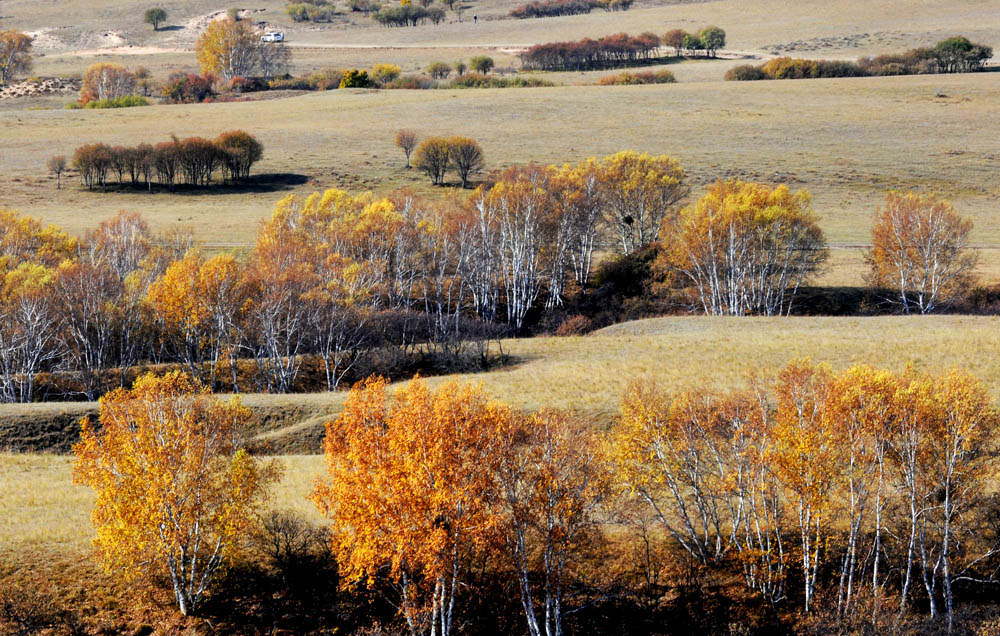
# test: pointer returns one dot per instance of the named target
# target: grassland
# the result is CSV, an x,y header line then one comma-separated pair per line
x,y
846,140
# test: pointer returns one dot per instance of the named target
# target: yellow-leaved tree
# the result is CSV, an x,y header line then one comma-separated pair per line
x,y
176,492
229,48
408,488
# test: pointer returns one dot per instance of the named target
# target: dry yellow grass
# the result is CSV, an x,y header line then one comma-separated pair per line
x,y
845,140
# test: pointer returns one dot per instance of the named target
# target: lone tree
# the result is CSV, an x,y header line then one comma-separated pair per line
x,y
15,54
57,165
920,249
406,140
481,64
712,39
433,156
229,48
467,157
176,493
155,16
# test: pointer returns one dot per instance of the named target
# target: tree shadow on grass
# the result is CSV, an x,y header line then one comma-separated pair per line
x,y
256,184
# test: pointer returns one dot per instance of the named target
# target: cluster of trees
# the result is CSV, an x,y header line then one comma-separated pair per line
x,y
743,248
15,54
862,496
709,39
552,8
953,55
920,250
331,278
607,52
436,155
312,11
191,161
408,14
233,48
109,81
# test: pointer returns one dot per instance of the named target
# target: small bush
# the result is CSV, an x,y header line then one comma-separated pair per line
x,y
125,101
410,82
551,8
474,80
325,80
355,79
745,73
292,84
576,325
189,88
384,73
623,79
246,85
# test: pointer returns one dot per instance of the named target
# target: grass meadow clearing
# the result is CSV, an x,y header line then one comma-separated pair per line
x,y
846,140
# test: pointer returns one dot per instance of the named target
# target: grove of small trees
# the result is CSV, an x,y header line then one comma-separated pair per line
x,y
191,161
614,50
841,501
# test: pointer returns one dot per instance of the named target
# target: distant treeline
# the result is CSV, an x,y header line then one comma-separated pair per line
x,y
191,161
953,55
607,52
409,15
553,8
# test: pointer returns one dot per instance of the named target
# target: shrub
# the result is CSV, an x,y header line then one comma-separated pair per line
x,y
439,70
621,79
410,82
551,8
298,12
189,88
474,80
125,101
384,73
408,15
575,325
246,85
745,73
355,79
294,84
325,80
365,6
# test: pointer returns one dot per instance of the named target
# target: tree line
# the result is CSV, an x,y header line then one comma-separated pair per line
x,y
854,500
331,277
607,52
952,55
335,278
553,8
191,161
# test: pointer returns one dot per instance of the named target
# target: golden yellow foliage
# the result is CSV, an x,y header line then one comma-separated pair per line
x,y
175,491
